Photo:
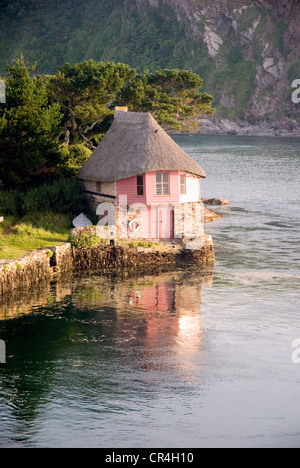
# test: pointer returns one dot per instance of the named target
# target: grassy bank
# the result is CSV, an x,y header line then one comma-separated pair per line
x,y
19,236
39,217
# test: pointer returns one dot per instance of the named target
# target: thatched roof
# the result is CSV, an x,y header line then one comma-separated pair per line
x,y
136,144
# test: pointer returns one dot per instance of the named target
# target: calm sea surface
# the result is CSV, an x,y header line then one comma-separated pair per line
x,y
194,360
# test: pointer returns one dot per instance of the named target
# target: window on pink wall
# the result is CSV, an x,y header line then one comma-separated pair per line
x,y
140,185
182,184
162,183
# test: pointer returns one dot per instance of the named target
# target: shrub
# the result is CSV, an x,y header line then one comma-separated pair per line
x,y
85,239
24,229
64,195
10,203
75,156
48,221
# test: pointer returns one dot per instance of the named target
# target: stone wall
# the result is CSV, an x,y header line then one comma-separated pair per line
x,y
25,272
46,264
95,192
28,271
124,217
189,220
139,257
61,262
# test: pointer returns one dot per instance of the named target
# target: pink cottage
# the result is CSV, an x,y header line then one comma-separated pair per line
x,y
142,183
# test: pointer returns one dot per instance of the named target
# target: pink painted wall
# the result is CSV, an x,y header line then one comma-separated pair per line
x,y
129,187
151,196
162,222
157,219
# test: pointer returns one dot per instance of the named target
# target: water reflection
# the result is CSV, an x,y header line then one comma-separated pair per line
x,y
83,342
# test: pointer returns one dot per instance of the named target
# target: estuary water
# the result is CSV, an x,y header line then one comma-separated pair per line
x,y
180,359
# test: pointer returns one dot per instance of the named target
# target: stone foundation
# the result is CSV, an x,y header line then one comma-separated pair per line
x,y
25,272
31,270
28,271
131,256
189,219
61,262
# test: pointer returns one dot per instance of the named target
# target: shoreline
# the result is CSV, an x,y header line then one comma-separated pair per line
x,y
26,272
214,127
30,270
209,216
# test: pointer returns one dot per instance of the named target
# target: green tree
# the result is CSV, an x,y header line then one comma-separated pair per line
x,y
52,123
172,96
86,93
29,127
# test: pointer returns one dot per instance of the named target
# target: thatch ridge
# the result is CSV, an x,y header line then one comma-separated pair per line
x,y
136,144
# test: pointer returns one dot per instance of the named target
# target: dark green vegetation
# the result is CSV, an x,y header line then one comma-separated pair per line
x,y
226,42
28,128
53,32
87,93
40,216
50,124
63,196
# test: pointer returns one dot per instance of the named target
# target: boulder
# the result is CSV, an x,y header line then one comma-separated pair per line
x,y
215,201
210,216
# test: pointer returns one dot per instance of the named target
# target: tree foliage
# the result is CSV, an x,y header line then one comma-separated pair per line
x,y
28,128
51,124
87,93
172,96
84,92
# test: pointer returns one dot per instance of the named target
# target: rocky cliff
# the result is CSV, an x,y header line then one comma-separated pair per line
x,y
247,51
253,48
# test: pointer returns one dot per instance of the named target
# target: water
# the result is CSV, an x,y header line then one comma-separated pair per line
x,y
192,361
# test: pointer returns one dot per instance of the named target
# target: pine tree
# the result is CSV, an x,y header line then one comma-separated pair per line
x,y
29,127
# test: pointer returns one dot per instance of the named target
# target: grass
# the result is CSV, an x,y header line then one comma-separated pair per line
x,y
143,244
19,236
85,239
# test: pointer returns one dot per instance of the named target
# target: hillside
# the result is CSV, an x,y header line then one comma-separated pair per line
x,y
248,52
